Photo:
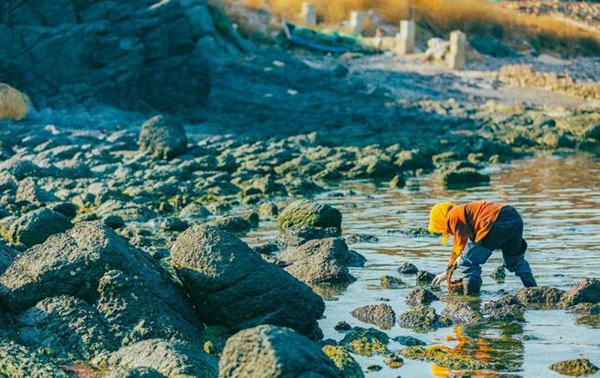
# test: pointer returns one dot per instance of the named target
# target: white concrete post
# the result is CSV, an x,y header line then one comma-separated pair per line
x,y
406,43
456,57
309,14
357,21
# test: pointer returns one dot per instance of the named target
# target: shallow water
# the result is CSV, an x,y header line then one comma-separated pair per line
x,y
559,199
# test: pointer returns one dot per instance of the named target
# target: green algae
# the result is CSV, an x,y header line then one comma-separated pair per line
x,y
443,357
575,368
343,361
366,342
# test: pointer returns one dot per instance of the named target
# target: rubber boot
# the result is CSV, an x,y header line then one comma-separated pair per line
x,y
528,280
471,285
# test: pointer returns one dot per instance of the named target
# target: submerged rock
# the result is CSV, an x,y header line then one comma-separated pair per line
x,y
464,177
420,296
505,309
307,213
408,341
321,260
345,363
342,326
499,274
394,361
540,296
231,285
163,137
267,351
366,341
586,291
36,226
175,359
461,313
389,282
382,315
575,368
422,319
444,357
424,278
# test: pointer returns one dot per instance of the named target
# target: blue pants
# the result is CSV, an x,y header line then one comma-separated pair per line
x,y
506,235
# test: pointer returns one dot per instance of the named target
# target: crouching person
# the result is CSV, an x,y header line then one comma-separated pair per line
x,y
478,228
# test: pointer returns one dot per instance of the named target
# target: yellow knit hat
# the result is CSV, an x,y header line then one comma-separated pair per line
x,y
438,219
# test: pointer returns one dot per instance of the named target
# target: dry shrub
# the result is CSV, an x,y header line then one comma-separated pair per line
x,y
442,16
14,105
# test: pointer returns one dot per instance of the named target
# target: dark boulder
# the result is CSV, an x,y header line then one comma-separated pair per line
x,y
382,315
408,268
7,256
423,319
586,291
268,351
505,309
420,296
36,226
235,225
163,137
231,285
461,313
424,277
540,296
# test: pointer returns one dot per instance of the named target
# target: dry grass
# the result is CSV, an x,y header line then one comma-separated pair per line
x,y
14,105
441,16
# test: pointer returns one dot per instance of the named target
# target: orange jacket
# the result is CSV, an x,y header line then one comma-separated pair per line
x,y
473,221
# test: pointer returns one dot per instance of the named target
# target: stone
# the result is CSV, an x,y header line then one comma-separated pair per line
x,y
498,274
268,210
424,278
72,263
366,342
140,372
394,361
443,357
413,160
407,268
461,313
173,358
194,211
14,105
408,341
585,291
307,213
268,351
420,296
585,309
540,296
575,368
231,285
7,256
29,191
505,309
319,261
464,177
382,315
342,326
298,235
389,282
397,182
69,327
114,221
235,225
163,137
18,361
342,359
36,226
135,314
422,319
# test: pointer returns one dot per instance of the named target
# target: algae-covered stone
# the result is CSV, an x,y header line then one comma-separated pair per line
x,y
460,313
575,368
343,361
273,352
235,225
409,341
389,282
397,182
163,137
19,362
342,326
540,296
231,285
36,226
424,277
444,357
173,359
408,268
422,319
307,213
420,296
505,309
394,361
586,291
268,210
382,315
498,274
464,177
366,341
67,326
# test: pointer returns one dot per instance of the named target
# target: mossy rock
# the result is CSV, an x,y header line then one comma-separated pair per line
x,y
307,213
366,342
343,361
443,357
389,282
575,368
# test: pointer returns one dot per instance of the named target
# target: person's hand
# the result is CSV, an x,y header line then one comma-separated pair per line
x,y
439,279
